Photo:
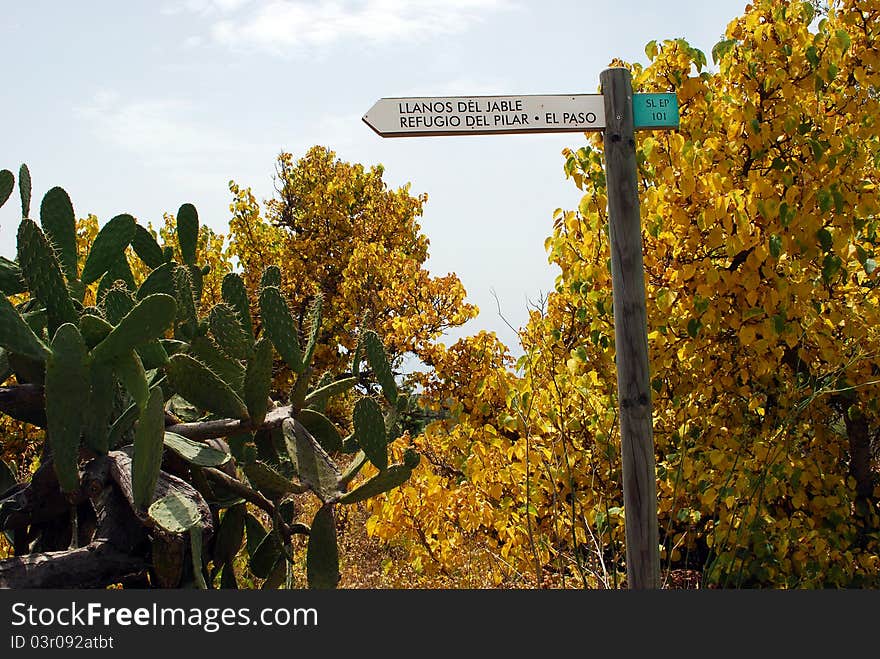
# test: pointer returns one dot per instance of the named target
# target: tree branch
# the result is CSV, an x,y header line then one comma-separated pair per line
x,y
200,430
24,402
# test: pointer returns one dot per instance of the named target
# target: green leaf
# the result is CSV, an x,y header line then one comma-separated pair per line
x,y
812,56
195,453
322,554
720,49
146,461
775,246
830,267
188,232
651,49
826,240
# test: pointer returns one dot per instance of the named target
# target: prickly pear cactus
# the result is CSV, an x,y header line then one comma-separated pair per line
x,y
147,370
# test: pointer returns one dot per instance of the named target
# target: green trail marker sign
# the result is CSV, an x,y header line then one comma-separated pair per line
x,y
619,113
655,111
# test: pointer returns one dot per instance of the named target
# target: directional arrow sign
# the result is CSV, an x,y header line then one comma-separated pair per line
x,y
484,115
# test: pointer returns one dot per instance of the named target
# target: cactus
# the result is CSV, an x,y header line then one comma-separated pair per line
x,y
160,280
369,426
146,247
230,535
322,554
319,396
119,270
195,453
271,277
257,381
209,353
313,465
235,295
24,190
188,232
266,555
42,272
268,481
322,429
146,461
102,390
149,318
109,246
279,327
378,361
203,388
177,514
187,320
7,182
59,224
117,304
110,372
11,281
129,368
392,477
16,335
66,399
314,321
228,331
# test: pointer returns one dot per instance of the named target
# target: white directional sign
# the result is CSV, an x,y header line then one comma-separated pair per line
x,y
484,115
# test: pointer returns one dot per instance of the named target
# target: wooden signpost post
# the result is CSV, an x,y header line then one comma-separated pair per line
x,y
619,113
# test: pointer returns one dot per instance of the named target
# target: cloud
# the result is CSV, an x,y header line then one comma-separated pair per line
x,y
285,26
167,134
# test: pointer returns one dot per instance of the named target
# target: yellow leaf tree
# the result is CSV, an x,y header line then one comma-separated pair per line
x,y
760,230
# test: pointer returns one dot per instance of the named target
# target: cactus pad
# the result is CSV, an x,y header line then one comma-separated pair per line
x,y
59,223
322,557
146,460
203,388
109,245
67,368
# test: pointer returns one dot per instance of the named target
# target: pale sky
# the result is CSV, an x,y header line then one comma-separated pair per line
x,y
138,107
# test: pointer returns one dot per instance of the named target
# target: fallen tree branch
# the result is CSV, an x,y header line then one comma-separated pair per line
x,y
201,430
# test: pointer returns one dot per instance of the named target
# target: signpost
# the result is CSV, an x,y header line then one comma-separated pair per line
x,y
619,113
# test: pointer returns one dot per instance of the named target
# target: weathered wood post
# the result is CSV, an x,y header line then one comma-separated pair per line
x,y
630,333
